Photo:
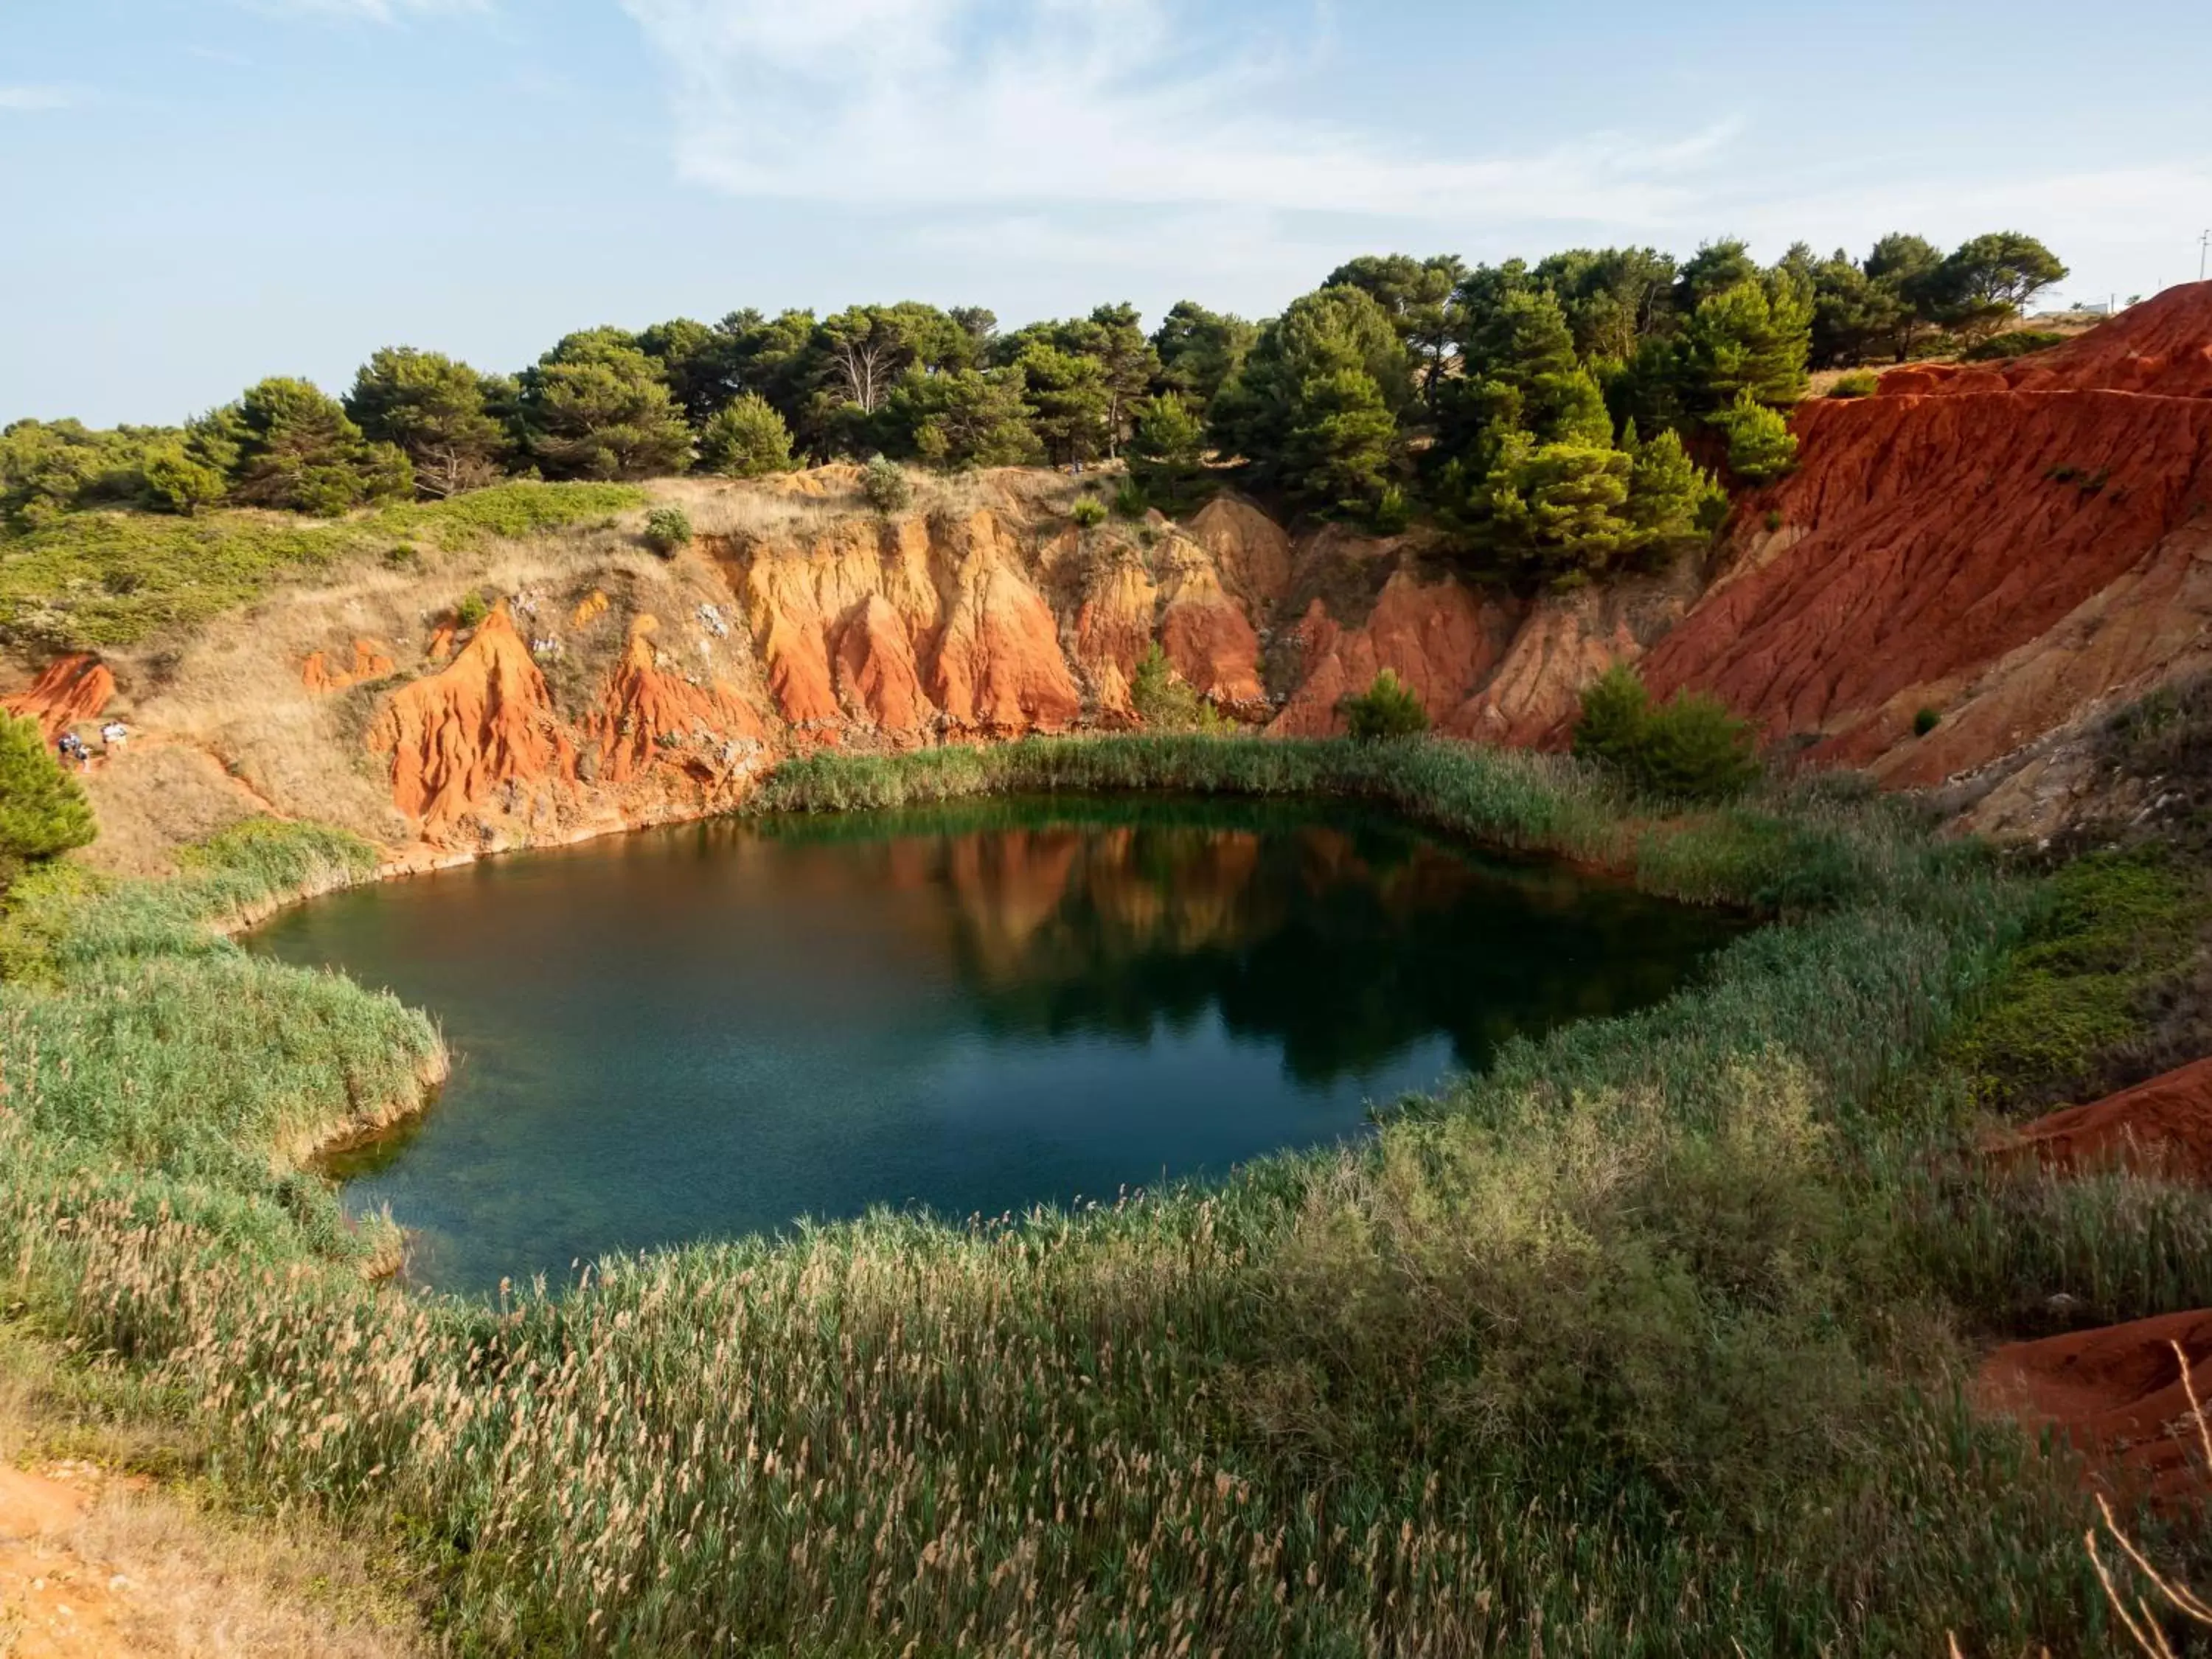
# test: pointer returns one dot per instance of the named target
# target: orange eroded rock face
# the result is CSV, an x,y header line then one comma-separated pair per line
x,y
1442,641
906,626
998,668
1204,632
1113,629
70,689
485,721
1249,549
876,673
1998,544
1561,646
370,662
650,717
2117,1394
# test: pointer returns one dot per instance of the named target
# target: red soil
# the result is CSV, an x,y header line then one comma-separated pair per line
x,y
485,720
650,717
1444,642
2164,1125
1205,633
876,672
370,662
2116,1394
72,690
1962,515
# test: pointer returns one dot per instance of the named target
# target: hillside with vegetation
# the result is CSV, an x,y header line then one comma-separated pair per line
x,y
1794,1315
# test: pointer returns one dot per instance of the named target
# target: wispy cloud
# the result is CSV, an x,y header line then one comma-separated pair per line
x,y
1036,103
374,11
36,98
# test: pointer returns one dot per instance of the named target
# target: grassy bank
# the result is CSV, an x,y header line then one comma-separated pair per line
x,y
100,578
153,1067
1637,1344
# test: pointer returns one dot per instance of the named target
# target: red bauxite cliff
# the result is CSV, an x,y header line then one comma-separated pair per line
x,y
2007,545
2015,547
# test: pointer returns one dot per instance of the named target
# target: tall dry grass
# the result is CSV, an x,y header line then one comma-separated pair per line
x,y
1600,1351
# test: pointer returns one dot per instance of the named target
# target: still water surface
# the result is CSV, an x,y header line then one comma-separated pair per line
x,y
720,1029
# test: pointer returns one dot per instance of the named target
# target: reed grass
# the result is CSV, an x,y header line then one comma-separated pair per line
x,y
145,1051
1621,1348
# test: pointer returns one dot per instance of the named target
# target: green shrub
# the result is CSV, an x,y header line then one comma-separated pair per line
x,y
1387,708
471,610
43,810
1926,721
885,484
1393,512
174,480
1130,501
2112,927
88,580
1164,700
1689,748
1089,511
1859,383
2016,343
1614,708
747,440
668,531
1693,749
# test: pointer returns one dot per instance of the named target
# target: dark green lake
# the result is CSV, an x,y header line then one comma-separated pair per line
x,y
721,1029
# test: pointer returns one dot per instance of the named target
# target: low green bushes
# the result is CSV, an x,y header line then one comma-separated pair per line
x,y
2013,342
1164,699
1860,383
91,578
1387,708
884,485
668,531
2111,928
1688,748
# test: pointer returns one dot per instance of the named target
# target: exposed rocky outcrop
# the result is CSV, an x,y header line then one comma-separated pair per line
x,y
1206,633
1440,638
371,661
483,726
2016,547
2006,546
68,691
654,724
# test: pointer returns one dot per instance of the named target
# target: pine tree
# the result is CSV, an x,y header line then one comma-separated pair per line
x,y
43,810
747,439
1761,446
434,411
1670,495
1167,455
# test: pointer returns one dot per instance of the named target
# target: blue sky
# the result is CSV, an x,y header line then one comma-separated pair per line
x,y
198,192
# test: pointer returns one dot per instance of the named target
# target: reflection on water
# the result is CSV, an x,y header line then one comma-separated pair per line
x,y
723,1028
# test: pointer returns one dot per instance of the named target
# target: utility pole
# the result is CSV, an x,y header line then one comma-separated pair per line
x,y
2203,247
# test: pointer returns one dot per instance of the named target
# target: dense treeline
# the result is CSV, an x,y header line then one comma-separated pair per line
x,y
1558,418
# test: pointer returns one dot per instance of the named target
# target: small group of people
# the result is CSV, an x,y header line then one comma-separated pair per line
x,y
74,751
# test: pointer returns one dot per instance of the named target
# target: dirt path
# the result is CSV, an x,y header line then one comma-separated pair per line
x,y
97,1566
54,1604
